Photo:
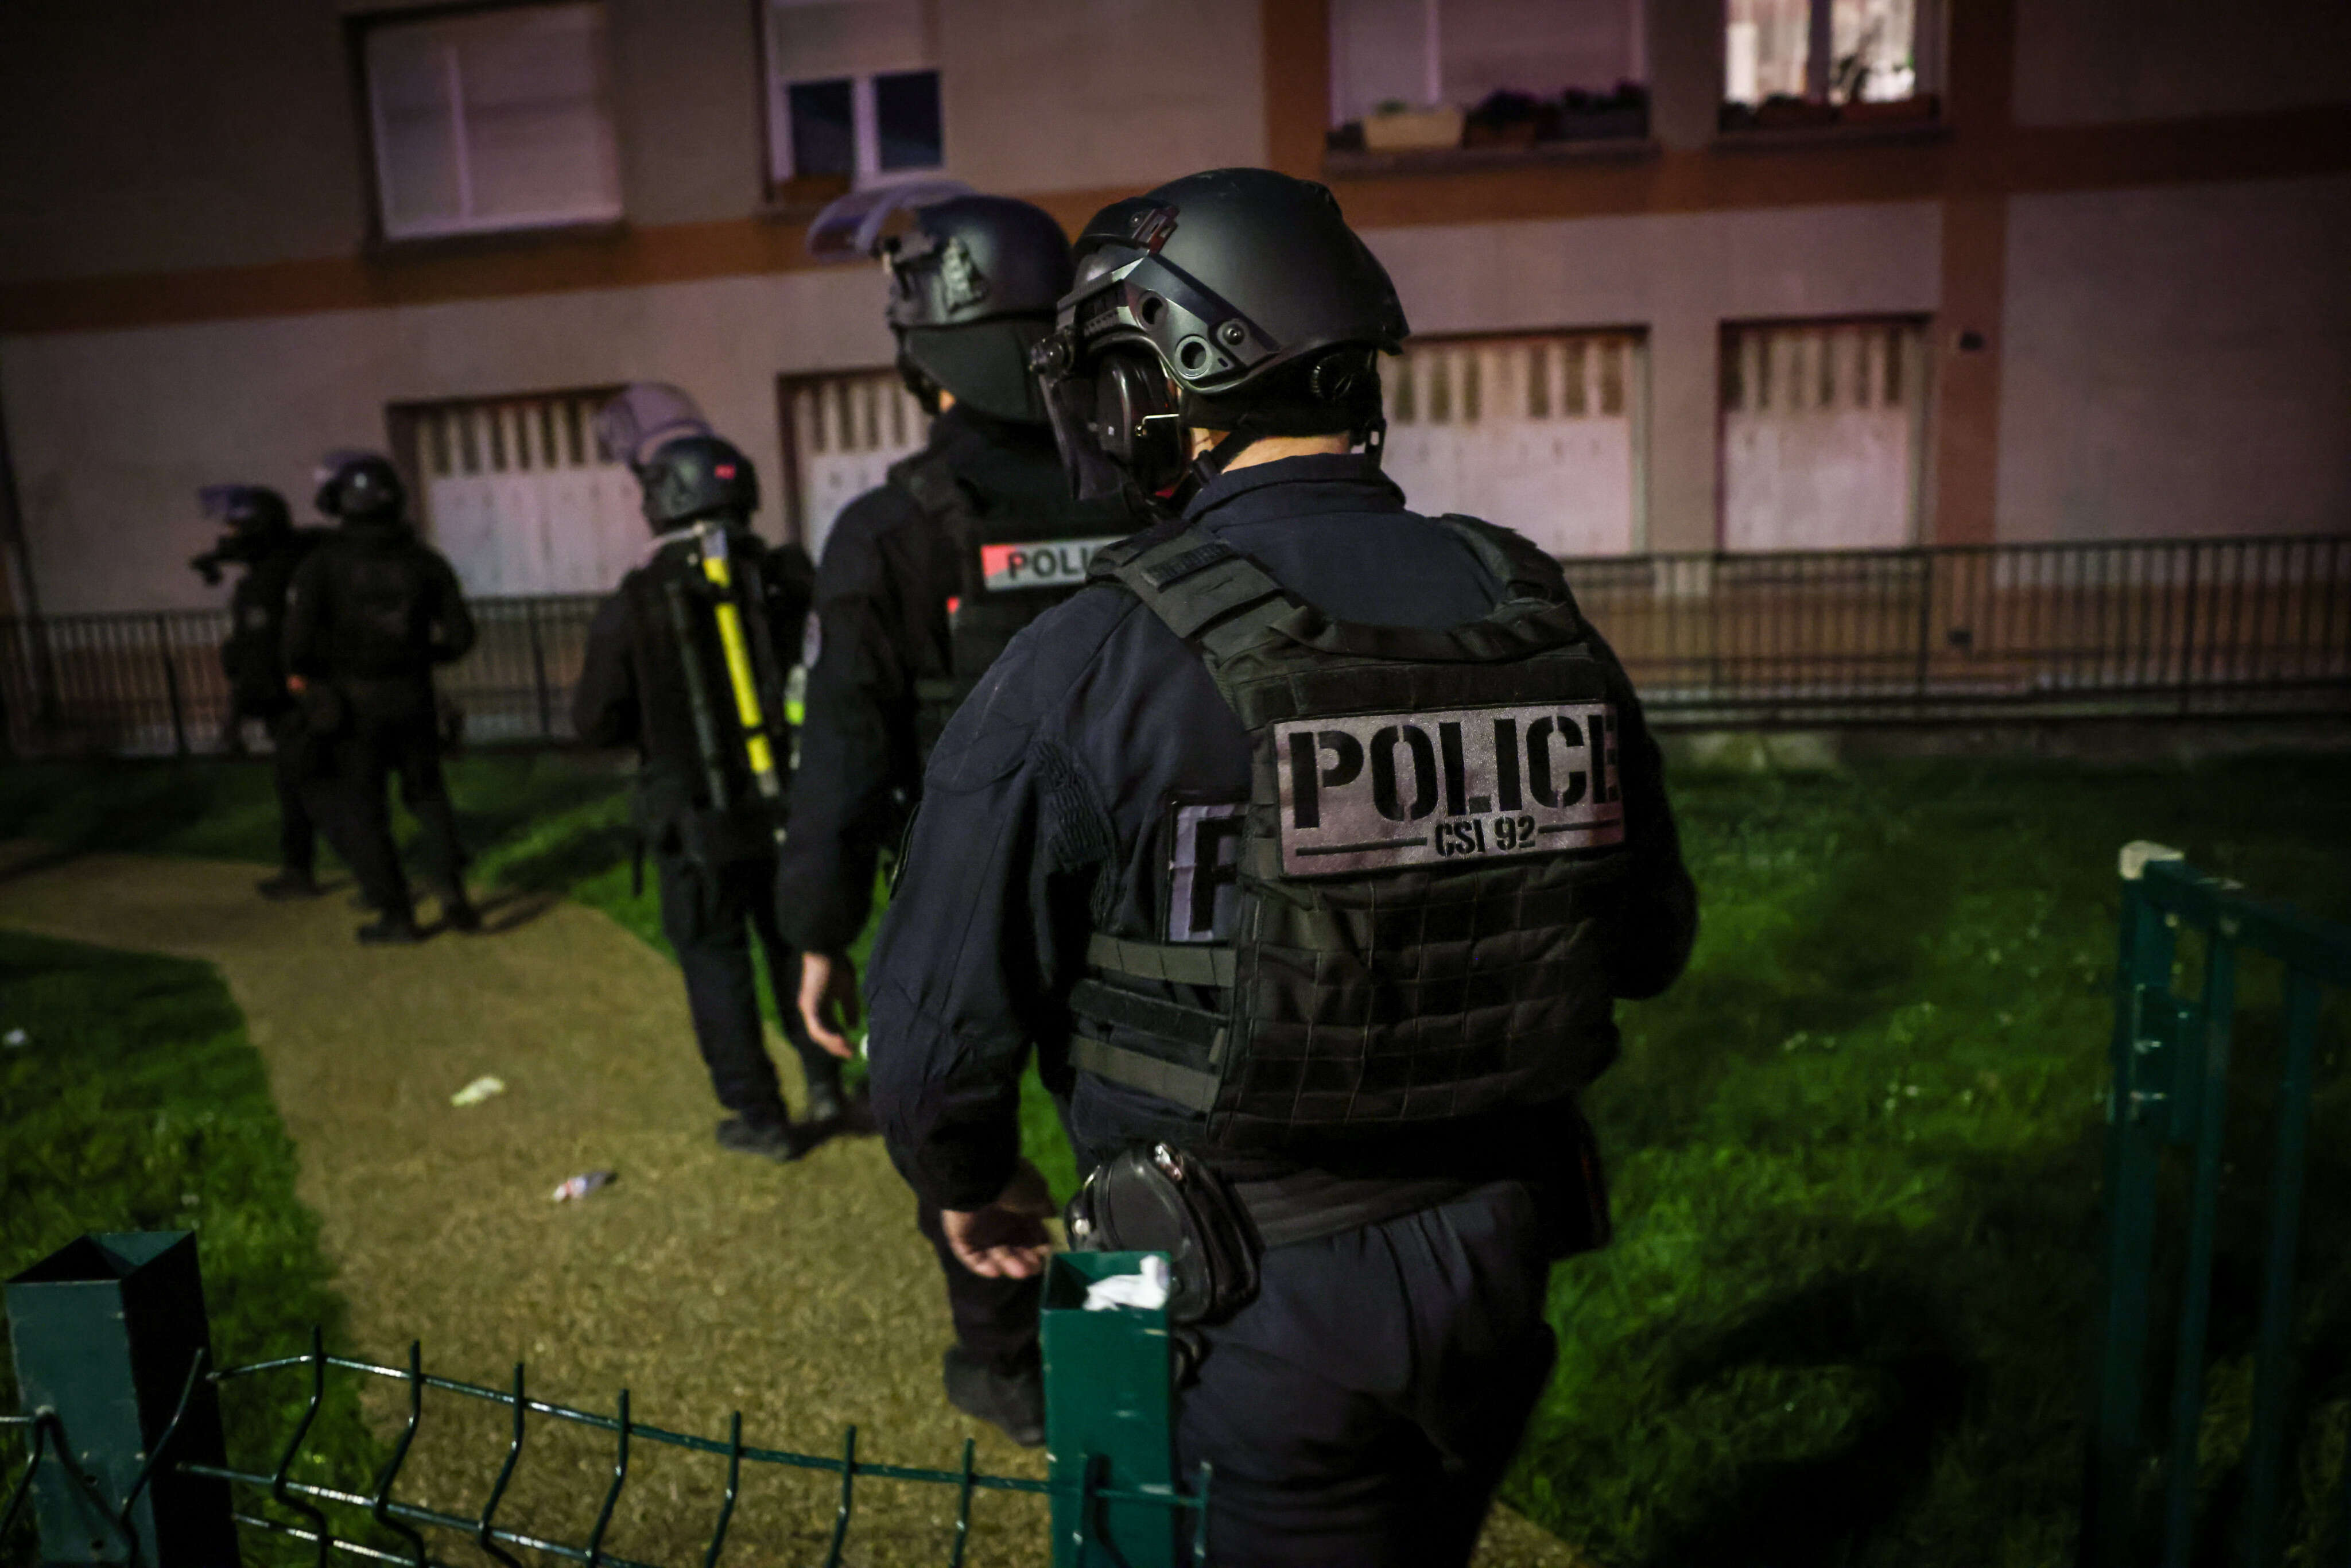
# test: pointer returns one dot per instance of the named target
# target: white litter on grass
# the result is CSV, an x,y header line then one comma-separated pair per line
x,y
15,1039
479,1090
580,1186
1146,1290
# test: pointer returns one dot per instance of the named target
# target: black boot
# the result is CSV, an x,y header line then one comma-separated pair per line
x,y
457,912
825,1101
769,1136
291,882
1013,1402
392,931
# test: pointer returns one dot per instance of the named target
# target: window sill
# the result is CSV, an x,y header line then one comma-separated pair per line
x,y
1350,164
1841,134
777,210
478,241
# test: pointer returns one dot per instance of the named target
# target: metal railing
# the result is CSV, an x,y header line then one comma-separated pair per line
x,y
2152,628
2184,628
2149,1499
124,1486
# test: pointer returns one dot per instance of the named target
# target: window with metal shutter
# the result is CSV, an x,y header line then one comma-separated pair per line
x,y
1539,434
1822,435
842,432
516,493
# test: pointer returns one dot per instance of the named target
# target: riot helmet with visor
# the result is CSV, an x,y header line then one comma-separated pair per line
x,y
1235,301
694,477
974,281
360,487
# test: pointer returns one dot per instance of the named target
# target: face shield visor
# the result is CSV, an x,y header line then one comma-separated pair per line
x,y
643,417
237,508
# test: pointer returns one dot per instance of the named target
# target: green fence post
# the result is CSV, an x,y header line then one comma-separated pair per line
x,y
1109,1419
2260,1544
2143,1055
107,1332
2211,1066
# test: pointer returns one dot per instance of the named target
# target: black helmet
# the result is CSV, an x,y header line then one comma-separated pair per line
x,y
696,477
1237,300
252,509
360,487
972,287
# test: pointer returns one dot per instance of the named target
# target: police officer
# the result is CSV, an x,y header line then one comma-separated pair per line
x,y
924,581
370,613
674,658
1314,841
261,538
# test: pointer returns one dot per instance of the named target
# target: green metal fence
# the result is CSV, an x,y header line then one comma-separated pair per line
x,y
2151,1497
125,1462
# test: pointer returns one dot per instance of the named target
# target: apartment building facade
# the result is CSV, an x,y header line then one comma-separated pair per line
x,y
1685,275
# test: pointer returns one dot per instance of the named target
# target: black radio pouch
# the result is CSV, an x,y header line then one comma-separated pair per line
x,y
1160,1199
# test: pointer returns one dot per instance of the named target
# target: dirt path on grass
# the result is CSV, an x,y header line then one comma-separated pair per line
x,y
703,1281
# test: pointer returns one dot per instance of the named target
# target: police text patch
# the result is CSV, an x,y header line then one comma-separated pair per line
x,y
1377,791
1049,563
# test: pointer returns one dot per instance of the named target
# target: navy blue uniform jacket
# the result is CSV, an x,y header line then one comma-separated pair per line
x,y
882,594
1043,812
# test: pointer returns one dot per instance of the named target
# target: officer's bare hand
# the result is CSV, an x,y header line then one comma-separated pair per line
x,y
829,1000
1006,1240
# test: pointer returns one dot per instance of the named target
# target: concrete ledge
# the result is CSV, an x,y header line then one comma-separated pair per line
x,y
2117,743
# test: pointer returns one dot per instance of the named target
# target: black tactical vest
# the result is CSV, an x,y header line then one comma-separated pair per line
x,y
1010,567
1432,841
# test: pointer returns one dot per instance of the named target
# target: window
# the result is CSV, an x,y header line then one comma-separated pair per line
x,y
853,98
1428,74
1789,64
1824,435
1539,434
500,119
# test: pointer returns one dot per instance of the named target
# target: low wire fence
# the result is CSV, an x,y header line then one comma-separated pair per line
x,y
124,1456
2186,628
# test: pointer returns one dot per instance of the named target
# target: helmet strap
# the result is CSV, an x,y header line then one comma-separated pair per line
x,y
1210,464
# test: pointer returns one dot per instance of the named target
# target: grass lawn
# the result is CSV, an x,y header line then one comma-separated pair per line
x,y
1846,1316
136,1103
1855,1151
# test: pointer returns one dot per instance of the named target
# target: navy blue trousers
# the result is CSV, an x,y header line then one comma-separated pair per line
x,y
711,916
1363,1409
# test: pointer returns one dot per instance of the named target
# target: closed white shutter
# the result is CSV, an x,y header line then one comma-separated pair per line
x,y
845,431
500,119
521,500
1537,433
1821,431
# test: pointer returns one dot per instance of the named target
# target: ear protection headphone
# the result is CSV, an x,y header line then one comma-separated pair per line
x,y
1136,421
